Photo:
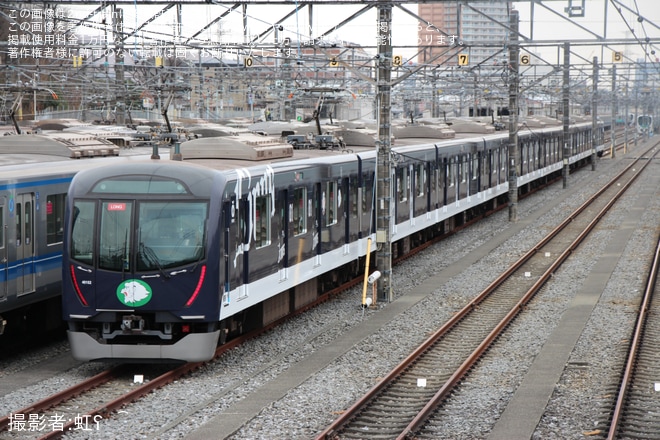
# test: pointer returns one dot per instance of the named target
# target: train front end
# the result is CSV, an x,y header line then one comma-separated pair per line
x,y
137,283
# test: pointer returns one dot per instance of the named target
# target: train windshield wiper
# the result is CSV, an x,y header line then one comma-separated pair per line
x,y
150,256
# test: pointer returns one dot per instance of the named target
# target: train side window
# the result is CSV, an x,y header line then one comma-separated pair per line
x,y
354,197
28,223
55,218
451,172
19,222
2,227
299,211
367,195
82,231
462,169
402,184
420,179
330,203
475,166
262,221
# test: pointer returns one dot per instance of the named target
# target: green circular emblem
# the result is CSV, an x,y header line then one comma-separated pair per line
x,y
134,293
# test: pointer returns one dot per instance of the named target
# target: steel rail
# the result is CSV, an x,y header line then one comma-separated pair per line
x,y
444,391
634,346
333,429
64,395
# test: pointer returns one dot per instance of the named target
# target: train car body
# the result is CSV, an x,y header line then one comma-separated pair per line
x,y
35,173
645,126
163,258
32,216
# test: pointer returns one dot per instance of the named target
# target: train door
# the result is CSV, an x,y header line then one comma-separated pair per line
x,y
462,176
24,217
366,204
236,240
318,218
4,279
229,239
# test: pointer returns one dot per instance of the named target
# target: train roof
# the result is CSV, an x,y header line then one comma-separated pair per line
x,y
61,144
213,155
23,165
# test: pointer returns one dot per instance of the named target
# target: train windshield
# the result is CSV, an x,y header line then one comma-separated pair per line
x,y
138,236
169,234
644,121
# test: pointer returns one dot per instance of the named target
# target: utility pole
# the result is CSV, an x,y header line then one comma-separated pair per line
x,y
626,117
384,206
636,113
594,115
566,117
514,159
614,104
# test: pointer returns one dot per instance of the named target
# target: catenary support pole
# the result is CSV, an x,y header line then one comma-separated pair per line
x,y
614,110
514,159
594,116
566,113
384,206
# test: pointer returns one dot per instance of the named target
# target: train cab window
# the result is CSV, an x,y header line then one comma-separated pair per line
x,y
115,235
82,231
329,203
262,221
169,234
299,211
55,218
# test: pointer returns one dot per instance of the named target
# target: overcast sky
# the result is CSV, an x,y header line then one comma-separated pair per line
x,y
362,30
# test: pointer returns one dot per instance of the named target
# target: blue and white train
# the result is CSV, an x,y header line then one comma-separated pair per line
x,y
35,172
163,259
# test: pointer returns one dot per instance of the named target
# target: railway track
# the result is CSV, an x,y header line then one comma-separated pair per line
x,y
83,406
406,399
637,406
